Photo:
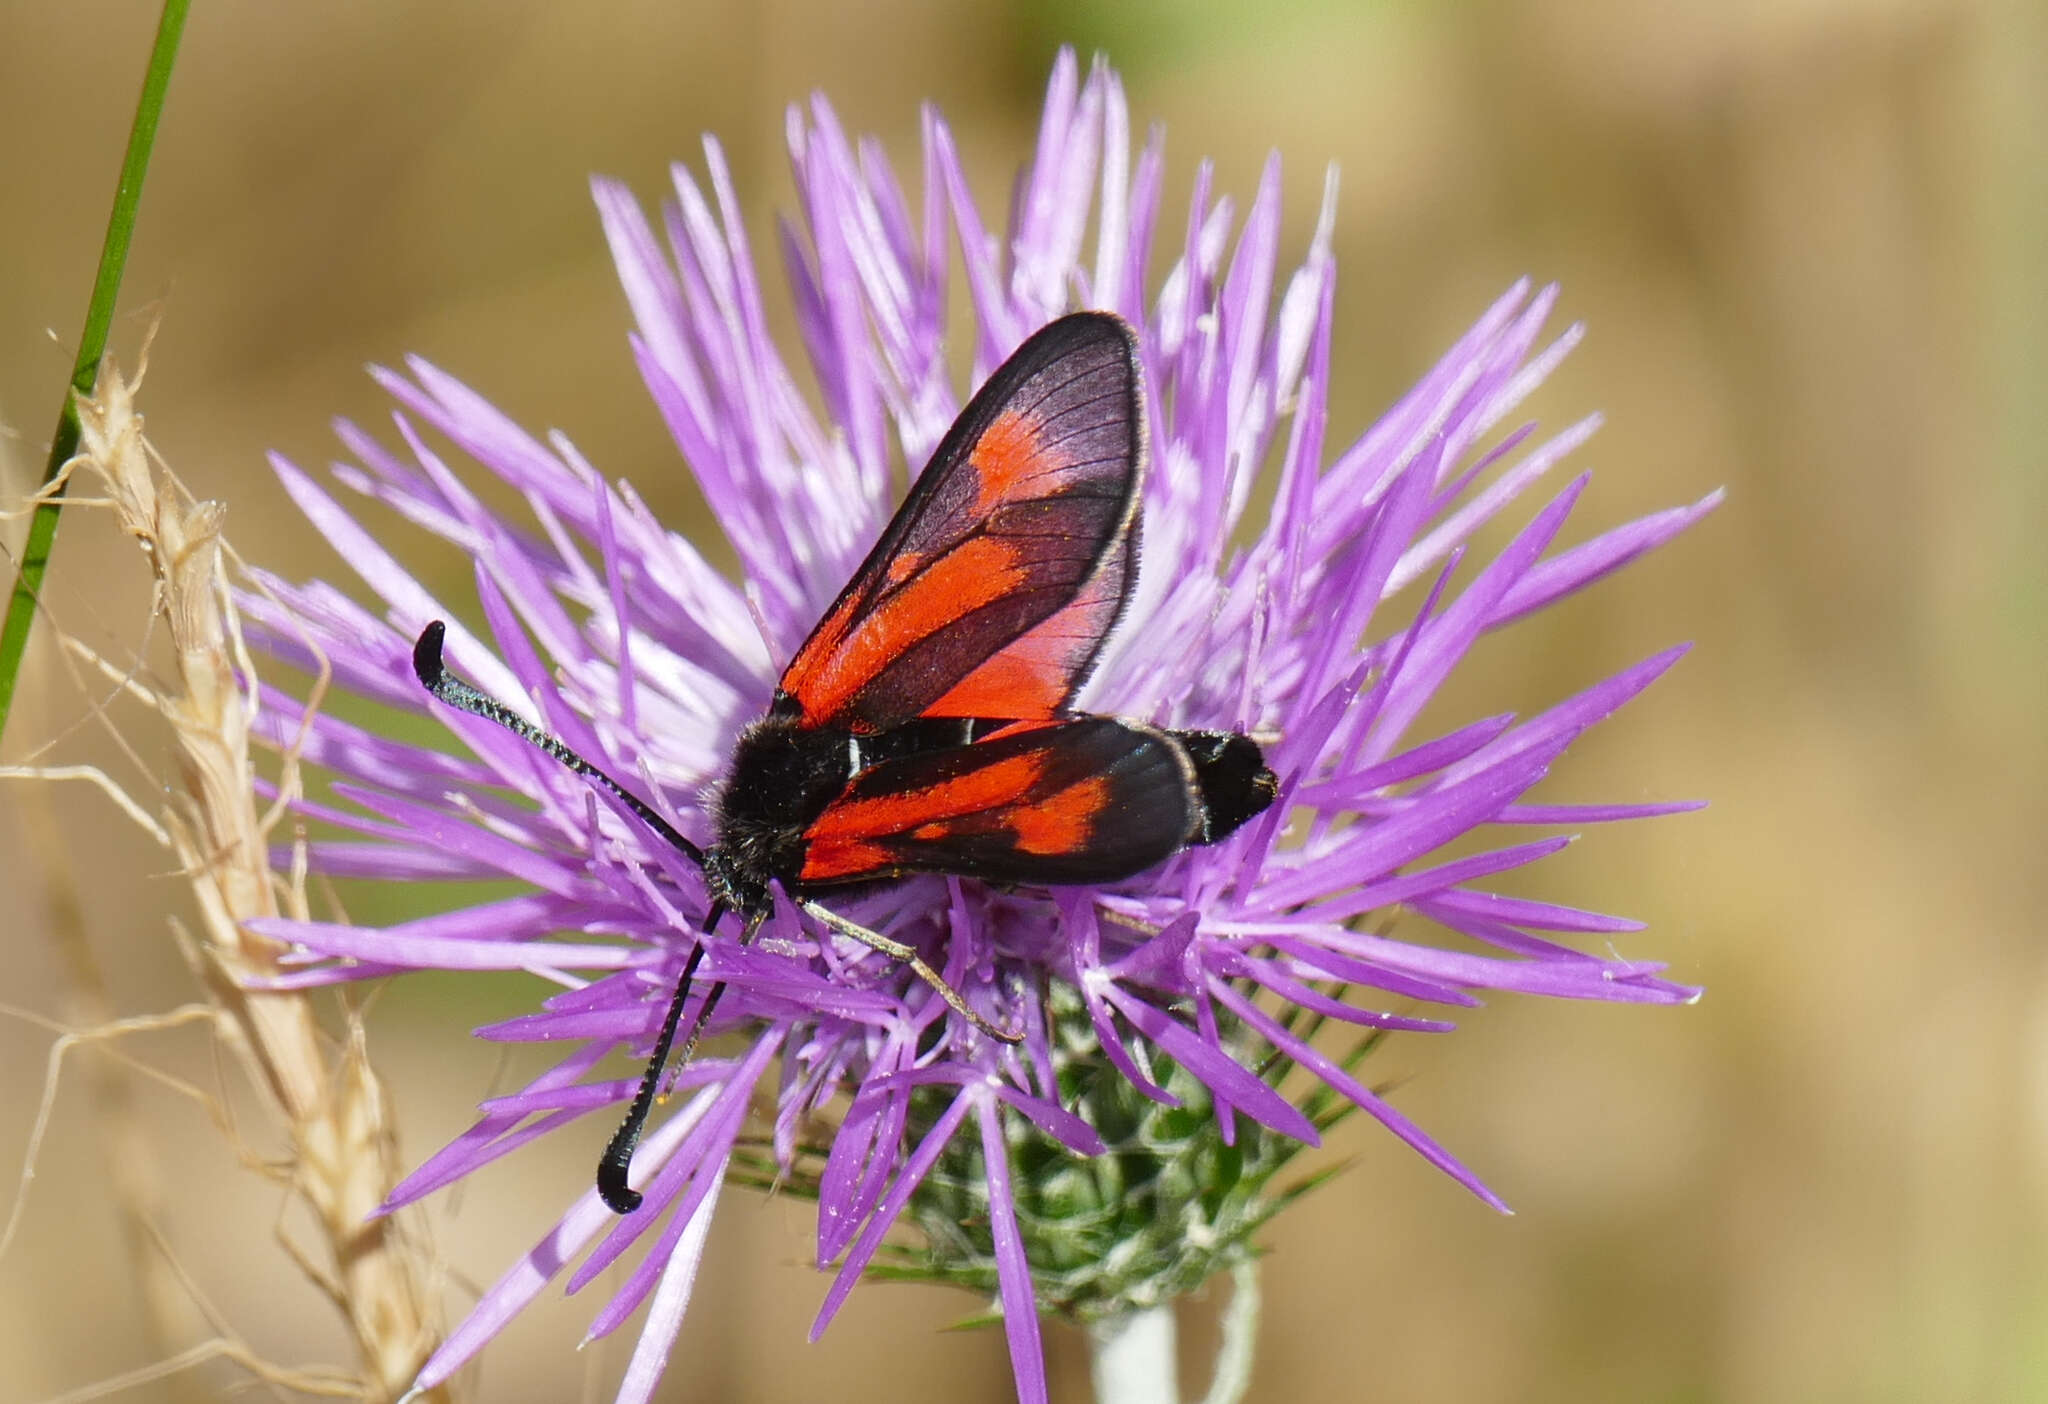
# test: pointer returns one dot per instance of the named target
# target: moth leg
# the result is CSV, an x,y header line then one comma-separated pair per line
x,y
618,1156
1127,921
896,950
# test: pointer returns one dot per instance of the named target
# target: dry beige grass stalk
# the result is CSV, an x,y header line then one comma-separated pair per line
x,y
327,1099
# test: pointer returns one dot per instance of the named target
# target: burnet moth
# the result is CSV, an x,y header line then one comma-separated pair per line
x,y
924,725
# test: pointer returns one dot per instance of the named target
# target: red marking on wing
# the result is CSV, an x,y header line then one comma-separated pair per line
x,y
1008,456
991,591
850,840
1085,799
1037,676
1062,823
987,787
979,571
847,860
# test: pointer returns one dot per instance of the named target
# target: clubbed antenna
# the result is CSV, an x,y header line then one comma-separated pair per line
x,y
426,662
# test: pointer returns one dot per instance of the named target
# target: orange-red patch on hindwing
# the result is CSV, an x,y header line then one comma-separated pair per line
x,y
984,787
1062,823
838,860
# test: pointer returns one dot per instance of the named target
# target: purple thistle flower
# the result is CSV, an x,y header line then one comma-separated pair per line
x,y
1159,999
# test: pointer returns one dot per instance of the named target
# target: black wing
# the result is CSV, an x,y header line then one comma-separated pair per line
x,y
1092,799
992,590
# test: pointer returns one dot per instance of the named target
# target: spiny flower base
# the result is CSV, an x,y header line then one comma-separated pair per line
x,y
1170,1205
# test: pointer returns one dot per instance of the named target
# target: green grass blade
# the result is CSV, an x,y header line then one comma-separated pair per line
x,y
92,345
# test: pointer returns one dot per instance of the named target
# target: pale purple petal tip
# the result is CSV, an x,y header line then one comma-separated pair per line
x,y
1013,1269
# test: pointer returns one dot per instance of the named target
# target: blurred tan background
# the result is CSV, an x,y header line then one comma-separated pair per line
x,y
1809,239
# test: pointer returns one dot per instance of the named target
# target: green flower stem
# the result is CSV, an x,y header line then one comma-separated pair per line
x,y
1131,1358
92,345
